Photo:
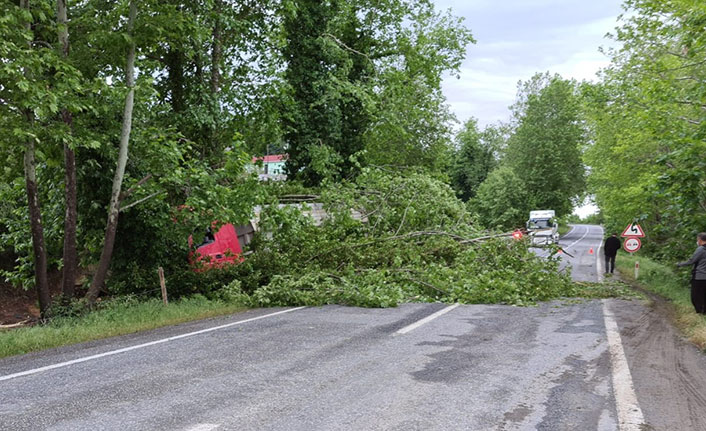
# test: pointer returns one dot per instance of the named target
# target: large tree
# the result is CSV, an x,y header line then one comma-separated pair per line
x,y
70,258
26,104
474,159
502,200
365,75
116,194
545,148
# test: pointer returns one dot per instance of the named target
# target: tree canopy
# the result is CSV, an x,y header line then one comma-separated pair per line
x,y
540,153
338,85
648,125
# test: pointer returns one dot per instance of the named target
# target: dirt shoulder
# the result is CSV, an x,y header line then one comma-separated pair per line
x,y
669,372
17,305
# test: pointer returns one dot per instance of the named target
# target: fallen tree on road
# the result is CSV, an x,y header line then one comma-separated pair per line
x,y
418,243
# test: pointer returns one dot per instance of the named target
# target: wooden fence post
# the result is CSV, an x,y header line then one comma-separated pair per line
x,y
163,285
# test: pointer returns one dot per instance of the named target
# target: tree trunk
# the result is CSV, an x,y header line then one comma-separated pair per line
x,y
114,209
217,49
35,213
35,221
71,216
175,80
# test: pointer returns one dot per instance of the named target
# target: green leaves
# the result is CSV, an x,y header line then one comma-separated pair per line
x,y
413,246
545,149
541,165
647,121
474,160
360,78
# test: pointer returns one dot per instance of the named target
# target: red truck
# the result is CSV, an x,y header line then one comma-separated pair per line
x,y
221,248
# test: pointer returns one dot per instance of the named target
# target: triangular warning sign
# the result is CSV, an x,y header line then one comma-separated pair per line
x,y
633,230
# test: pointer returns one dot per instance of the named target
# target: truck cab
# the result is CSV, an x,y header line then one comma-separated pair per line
x,y
542,227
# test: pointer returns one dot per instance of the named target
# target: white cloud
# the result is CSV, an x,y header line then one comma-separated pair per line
x,y
518,38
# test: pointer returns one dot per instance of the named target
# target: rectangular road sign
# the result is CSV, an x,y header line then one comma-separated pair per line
x,y
633,230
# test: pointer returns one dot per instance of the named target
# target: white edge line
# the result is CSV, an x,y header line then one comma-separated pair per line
x,y
630,415
427,319
573,226
599,261
203,427
139,346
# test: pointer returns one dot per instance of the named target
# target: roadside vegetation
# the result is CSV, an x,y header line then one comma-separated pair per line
x,y
647,120
127,126
119,316
672,285
146,137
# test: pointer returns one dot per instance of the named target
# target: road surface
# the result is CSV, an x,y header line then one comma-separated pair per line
x,y
556,366
583,246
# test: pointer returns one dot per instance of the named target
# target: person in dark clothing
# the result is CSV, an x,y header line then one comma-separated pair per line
x,y
610,248
698,274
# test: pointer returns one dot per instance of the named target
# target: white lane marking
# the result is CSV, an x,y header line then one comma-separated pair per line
x,y
573,226
630,415
579,240
427,319
139,346
599,266
203,427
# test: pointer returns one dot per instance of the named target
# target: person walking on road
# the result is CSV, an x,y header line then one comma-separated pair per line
x,y
610,248
698,274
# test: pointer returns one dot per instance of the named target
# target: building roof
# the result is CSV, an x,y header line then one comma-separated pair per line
x,y
274,158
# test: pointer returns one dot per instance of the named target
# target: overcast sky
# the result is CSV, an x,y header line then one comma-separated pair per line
x,y
516,39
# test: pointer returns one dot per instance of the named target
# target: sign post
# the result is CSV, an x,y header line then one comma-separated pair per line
x,y
633,231
637,269
632,243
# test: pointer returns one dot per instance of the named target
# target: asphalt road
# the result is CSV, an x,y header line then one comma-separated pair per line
x,y
583,246
333,368
415,367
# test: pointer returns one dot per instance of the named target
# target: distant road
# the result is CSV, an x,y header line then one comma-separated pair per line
x,y
584,245
415,367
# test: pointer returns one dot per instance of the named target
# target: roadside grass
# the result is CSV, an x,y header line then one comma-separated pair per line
x,y
563,229
671,285
120,317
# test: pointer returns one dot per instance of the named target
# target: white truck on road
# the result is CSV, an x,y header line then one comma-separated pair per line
x,y
542,227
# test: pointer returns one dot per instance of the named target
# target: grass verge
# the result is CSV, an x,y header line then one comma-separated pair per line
x,y
671,285
120,317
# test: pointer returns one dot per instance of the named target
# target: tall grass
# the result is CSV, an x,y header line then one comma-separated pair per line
x,y
672,284
118,318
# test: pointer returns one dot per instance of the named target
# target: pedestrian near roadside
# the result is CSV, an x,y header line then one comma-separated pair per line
x,y
698,274
610,248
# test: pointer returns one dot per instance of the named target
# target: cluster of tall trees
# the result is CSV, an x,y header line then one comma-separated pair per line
x,y
363,83
532,163
647,118
125,124
147,112
640,130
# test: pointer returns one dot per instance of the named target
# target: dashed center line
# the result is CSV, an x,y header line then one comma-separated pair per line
x,y
427,319
579,240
